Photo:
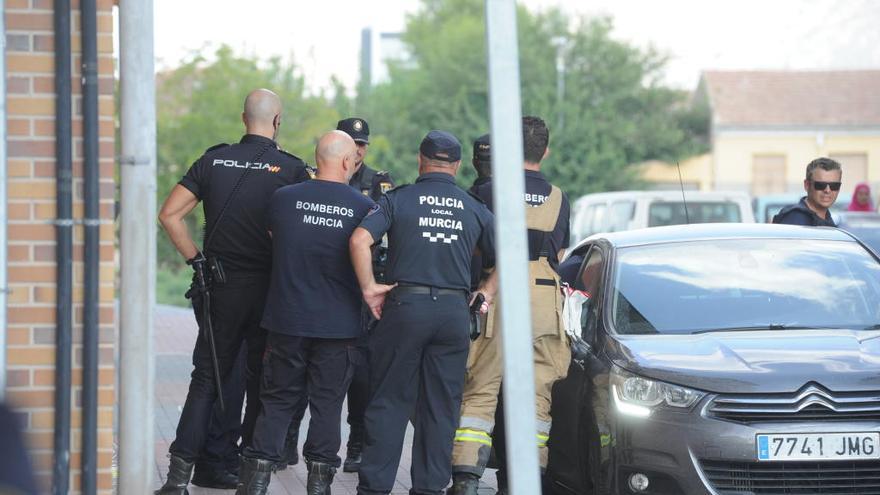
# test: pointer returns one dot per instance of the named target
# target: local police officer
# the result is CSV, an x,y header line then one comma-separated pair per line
x,y
234,183
419,349
371,183
547,219
313,317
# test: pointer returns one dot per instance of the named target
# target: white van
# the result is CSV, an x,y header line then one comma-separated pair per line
x,y
625,210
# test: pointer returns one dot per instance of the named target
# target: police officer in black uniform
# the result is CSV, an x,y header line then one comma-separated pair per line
x,y
313,314
234,184
371,182
374,184
419,348
482,162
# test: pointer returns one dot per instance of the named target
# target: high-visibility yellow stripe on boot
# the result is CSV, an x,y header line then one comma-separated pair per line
x,y
476,436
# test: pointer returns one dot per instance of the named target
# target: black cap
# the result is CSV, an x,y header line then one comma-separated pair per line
x,y
441,145
482,148
355,127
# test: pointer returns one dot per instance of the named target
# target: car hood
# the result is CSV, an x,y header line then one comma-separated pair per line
x,y
764,361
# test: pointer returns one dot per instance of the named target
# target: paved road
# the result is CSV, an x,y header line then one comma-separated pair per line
x,y
175,336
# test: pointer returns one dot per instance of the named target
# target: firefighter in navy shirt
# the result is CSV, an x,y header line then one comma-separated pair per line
x,y
371,183
419,347
313,317
238,181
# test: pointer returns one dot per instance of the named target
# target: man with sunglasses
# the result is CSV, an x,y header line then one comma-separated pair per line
x,y
822,186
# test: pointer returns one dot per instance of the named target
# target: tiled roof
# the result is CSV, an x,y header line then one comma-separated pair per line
x,y
794,98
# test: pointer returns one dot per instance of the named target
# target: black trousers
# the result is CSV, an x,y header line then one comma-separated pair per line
x,y
221,443
296,367
418,354
236,310
358,391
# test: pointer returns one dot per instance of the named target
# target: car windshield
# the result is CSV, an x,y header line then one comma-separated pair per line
x,y
673,212
737,284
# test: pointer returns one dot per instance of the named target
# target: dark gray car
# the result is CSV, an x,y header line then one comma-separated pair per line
x,y
727,359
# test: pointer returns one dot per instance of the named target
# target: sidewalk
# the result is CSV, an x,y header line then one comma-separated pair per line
x,y
175,337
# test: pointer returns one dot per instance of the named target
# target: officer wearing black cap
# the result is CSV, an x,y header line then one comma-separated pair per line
x,y
419,348
234,184
482,162
371,182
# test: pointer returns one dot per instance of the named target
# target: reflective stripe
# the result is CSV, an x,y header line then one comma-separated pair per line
x,y
542,440
465,435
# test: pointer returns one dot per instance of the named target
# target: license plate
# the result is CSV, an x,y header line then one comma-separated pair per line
x,y
818,446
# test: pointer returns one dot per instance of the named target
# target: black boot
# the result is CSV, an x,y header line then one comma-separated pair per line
x,y
254,476
179,472
320,478
290,456
214,478
464,484
354,449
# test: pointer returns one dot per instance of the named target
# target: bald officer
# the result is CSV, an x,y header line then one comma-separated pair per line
x,y
234,184
419,348
313,317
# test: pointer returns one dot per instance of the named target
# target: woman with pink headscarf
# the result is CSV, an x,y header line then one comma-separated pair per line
x,y
861,198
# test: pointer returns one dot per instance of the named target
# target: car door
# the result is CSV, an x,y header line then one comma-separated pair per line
x,y
571,433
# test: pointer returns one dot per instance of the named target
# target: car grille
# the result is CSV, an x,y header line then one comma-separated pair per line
x,y
813,402
793,478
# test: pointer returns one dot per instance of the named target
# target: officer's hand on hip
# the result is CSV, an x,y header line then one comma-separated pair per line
x,y
374,296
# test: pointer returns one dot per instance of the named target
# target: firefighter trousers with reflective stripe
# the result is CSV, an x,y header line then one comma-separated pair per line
x,y
473,441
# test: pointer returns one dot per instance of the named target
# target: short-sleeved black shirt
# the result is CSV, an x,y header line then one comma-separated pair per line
x,y
537,192
433,228
314,291
242,241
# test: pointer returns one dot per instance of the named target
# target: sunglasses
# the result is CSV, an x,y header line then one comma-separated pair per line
x,y
820,185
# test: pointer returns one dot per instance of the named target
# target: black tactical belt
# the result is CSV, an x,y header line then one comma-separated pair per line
x,y
424,289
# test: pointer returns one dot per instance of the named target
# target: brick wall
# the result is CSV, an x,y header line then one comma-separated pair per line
x,y
31,207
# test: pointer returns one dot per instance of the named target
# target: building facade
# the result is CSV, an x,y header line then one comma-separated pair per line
x,y
30,353
767,125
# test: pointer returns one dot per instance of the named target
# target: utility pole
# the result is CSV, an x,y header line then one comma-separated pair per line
x,y
560,43
138,245
508,188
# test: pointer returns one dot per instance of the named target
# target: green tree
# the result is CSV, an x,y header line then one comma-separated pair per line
x,y
199,104
615,112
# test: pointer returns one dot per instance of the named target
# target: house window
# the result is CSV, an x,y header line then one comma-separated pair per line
x,y
768,174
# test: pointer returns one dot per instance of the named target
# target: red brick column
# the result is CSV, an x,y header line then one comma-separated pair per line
x,y
30,351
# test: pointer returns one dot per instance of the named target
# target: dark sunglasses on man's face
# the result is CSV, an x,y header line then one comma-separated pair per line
x,y
820,185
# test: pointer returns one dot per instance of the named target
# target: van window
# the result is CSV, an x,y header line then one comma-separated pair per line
x,y
673,213
598,224
583,220
621,214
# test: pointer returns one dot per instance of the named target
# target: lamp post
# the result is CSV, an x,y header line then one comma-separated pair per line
x,y
560,43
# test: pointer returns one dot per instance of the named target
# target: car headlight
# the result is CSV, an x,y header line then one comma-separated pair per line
x,y
639,396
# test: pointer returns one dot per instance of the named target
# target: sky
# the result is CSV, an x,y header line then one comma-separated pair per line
x,y
323,37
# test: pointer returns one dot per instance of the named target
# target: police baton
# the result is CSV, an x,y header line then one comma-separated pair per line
x,y
209,326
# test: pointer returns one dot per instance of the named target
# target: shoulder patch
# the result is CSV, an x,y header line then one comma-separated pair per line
x,y
216,147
